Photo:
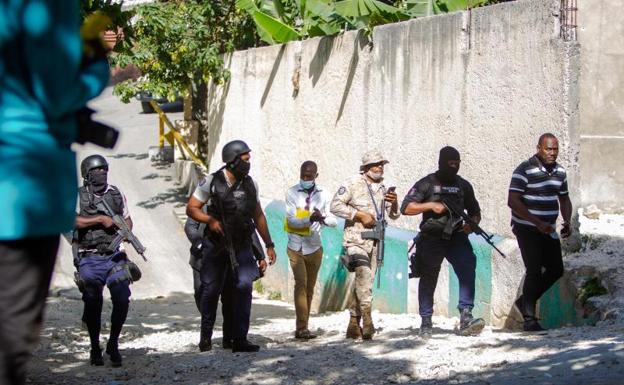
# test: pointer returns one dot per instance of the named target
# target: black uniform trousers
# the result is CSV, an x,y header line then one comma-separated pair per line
x,y
26,267
542,259
431,252
215,274
226,302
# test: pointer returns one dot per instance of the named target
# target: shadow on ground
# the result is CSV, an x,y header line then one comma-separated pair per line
x,y
160,337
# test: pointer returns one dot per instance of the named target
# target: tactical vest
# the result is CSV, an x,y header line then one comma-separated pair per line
x,y
443,225
234,207
98,237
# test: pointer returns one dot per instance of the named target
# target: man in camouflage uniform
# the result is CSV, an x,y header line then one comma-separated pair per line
x,y
358,201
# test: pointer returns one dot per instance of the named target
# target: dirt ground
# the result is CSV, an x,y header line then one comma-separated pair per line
x,y
159,345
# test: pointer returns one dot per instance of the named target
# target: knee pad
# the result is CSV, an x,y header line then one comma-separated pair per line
x,y
120,292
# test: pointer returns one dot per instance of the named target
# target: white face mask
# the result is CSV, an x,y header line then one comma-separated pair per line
x,y
306,184
376,176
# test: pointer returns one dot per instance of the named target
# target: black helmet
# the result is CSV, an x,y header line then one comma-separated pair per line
x,y
91,162
234,149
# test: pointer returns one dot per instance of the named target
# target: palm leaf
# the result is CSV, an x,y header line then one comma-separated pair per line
x,y
278,31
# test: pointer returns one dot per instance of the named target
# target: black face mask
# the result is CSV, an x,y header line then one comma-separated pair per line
x,y
239,168
445,172
98,181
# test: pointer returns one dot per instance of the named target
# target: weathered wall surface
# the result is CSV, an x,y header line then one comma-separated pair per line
x,y
488,82
602,103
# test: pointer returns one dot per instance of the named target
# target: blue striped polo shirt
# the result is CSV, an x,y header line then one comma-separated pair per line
x,y
540,190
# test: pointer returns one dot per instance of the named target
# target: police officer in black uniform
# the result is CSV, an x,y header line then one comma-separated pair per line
x,y
443,235
233,208
97,263
195,233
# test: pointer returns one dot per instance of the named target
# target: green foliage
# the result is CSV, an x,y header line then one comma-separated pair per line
x,y
591,288
258,287
280,21
180,42
120,18
275,296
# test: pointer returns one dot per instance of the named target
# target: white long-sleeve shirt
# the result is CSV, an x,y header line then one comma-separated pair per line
x,y
298,198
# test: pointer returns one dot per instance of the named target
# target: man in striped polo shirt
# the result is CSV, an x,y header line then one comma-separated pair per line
x,y
538,187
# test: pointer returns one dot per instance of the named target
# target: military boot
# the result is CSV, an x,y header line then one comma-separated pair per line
x,y
368,329
112,349
353,330
95,356
426,328
468,325
531,325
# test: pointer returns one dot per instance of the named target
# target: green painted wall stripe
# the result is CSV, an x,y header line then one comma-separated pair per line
x,y
390,298
556,307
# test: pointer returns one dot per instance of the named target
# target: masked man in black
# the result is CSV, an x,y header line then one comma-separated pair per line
x,y
195,233
442,235
98,264
233,207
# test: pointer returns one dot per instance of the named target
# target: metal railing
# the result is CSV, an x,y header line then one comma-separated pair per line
x,y
567,20
174,137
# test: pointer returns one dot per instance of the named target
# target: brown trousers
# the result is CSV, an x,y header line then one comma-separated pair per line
x,y
305,269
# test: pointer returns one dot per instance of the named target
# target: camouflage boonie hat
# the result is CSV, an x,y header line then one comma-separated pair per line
x,y
372,157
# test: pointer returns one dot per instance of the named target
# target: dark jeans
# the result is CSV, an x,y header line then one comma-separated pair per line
x,y
25,271
431,252
226,303
542,259
215,274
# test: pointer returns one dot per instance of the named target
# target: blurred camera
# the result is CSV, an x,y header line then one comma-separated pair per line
x,y
94,132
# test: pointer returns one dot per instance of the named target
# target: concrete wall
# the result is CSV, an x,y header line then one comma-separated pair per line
x,y
488,82
600,34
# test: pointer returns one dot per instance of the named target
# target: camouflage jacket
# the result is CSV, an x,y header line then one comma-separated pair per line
x,y
353,196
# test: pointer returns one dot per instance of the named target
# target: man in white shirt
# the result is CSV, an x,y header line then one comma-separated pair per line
x,y
307,210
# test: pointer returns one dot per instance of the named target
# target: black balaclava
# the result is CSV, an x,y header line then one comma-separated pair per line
x,y
445,172
239,168
98,181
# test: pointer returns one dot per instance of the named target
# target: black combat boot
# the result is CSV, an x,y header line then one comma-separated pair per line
x,y
205,340
468,325
244,346
113,354
531,325
426,328
95,356
227,343
205,345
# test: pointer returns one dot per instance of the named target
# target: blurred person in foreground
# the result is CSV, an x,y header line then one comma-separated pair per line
x,y
44,81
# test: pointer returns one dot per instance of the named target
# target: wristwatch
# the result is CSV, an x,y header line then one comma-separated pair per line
x,y
270,245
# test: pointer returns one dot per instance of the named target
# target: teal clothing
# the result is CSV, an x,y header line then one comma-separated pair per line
x,y
43,82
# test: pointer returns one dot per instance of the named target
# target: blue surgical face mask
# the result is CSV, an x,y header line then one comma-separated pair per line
x,y
306,184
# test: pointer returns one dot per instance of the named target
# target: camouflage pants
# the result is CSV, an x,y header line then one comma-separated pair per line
x,y
362,293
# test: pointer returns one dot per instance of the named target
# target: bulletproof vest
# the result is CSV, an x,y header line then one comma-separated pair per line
x,y
438,224
98,237
233,207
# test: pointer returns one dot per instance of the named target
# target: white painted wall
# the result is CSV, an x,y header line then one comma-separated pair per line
x,y
488,82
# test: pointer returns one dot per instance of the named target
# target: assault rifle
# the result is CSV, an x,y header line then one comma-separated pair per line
x,y
123,233
229,245
473,225
378,233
